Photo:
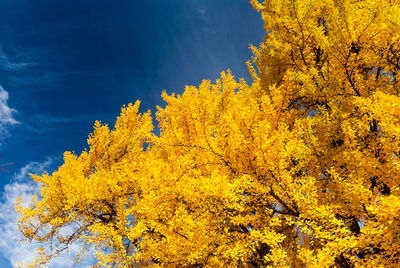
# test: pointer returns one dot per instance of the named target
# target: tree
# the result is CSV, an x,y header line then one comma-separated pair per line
x,y
299,168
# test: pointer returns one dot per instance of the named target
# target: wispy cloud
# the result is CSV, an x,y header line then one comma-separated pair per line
x,y
11,246
43,123
36,69
28,68
6,113
201,10
203,14
14,63
22,175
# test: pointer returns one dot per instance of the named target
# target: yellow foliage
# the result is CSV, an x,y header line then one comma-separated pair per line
x,y
298,169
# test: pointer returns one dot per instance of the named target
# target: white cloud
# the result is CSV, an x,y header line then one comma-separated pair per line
x,y
6,113
11,246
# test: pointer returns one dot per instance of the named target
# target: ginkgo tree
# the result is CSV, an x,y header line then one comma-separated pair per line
x,y
299,168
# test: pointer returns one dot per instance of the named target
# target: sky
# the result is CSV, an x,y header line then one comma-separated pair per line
x,y
65,64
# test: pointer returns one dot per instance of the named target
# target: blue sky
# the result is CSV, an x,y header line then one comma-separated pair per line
x,y
65,64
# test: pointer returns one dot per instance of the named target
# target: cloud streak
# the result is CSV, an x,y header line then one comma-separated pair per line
x,y
8,64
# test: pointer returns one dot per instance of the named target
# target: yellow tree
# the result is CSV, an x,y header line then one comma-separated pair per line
x,y
300,168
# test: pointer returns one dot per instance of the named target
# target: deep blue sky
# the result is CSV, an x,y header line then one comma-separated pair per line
x,y
65,64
